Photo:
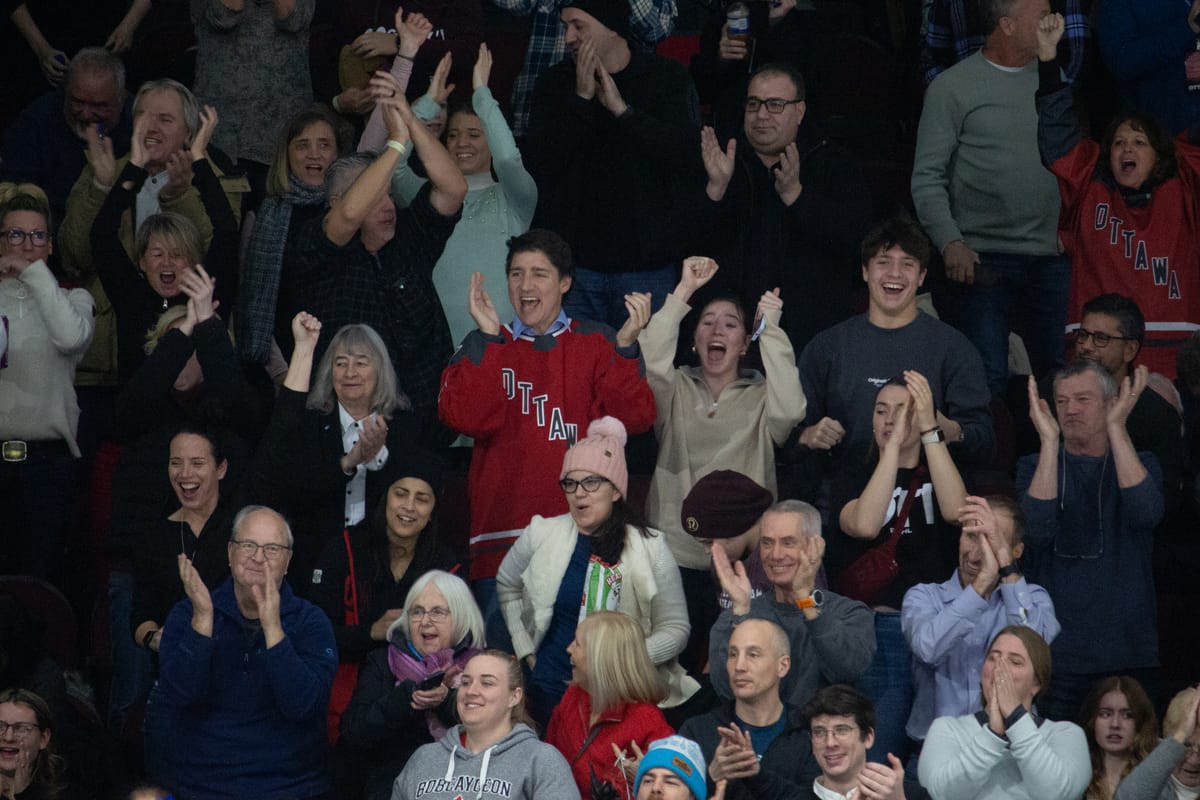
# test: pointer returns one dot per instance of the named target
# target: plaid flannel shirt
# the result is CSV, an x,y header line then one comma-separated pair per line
x,y
955,31
650,22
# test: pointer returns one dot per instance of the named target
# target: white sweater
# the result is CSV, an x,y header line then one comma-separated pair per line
x,y
651,593
963,760
49,329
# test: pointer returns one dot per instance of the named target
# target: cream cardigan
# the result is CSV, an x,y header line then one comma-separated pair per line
x,y
651,593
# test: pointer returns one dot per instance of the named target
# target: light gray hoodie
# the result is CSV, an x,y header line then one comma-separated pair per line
x,y
518,767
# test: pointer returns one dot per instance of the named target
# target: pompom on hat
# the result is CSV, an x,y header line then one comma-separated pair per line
x,y
601,453
681,756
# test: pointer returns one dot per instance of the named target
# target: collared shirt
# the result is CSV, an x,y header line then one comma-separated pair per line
x,y
520,329
356,489
949,626
147,203
829,794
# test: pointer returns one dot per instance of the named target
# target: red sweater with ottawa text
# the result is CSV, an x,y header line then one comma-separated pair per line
x,y
525,401
1142,245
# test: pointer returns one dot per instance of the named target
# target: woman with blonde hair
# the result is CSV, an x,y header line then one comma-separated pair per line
x,y
1172,770
611,707
1122,730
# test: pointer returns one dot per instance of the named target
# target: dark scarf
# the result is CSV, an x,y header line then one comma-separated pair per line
x,y
264,264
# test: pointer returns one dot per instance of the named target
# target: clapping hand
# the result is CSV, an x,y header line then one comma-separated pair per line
x,y
197,592
733,579
483,311
483,68
718,163
100,156
638,306
734,757
1131,390
882,782
439,90
1039,414
208,124
787,175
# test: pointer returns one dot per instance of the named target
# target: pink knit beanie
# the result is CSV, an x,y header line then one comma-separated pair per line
x,y
601,453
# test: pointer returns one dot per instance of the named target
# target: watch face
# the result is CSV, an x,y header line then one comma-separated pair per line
x,y
818,598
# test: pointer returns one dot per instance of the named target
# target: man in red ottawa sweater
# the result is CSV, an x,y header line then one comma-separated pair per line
x,y
526,391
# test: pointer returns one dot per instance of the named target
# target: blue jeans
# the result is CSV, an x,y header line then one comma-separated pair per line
x,y
495,628
1041,285
888,682
133,666
600,296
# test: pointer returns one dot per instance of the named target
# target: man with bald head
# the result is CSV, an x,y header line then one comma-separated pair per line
x,y
755,742
245,674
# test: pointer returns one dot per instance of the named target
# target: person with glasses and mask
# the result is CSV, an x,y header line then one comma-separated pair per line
x,y
1091,502
597,557
784,208
406,691
246,671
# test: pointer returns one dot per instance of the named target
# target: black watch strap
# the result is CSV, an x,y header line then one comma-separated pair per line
x,y
1011,569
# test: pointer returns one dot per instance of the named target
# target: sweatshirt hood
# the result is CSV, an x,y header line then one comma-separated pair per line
x,y
461,758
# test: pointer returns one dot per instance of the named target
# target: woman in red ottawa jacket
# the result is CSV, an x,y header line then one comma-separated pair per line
x,y
1130,216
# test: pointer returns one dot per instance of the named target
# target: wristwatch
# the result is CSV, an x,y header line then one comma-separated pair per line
x,y
933,436
814,600
1011,569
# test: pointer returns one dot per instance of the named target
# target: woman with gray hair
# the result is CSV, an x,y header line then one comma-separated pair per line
x,y
329,437
405,694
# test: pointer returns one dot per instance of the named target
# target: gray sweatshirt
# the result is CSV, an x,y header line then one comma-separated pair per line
x,y
518,767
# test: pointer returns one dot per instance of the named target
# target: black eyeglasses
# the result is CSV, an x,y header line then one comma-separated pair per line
x,y
20,730
250,549
1098,339
590,484
16,236
775,105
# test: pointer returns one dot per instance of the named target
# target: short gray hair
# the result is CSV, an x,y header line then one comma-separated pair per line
x,y
991,11
464,613
776,635
343,172
191,106
240,520
98,59
1108,385
810,518
358,338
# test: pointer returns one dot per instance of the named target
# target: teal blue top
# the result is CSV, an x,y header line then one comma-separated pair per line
x,y
493,212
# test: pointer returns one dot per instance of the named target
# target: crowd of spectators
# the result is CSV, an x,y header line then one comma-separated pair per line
x,y
760,478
